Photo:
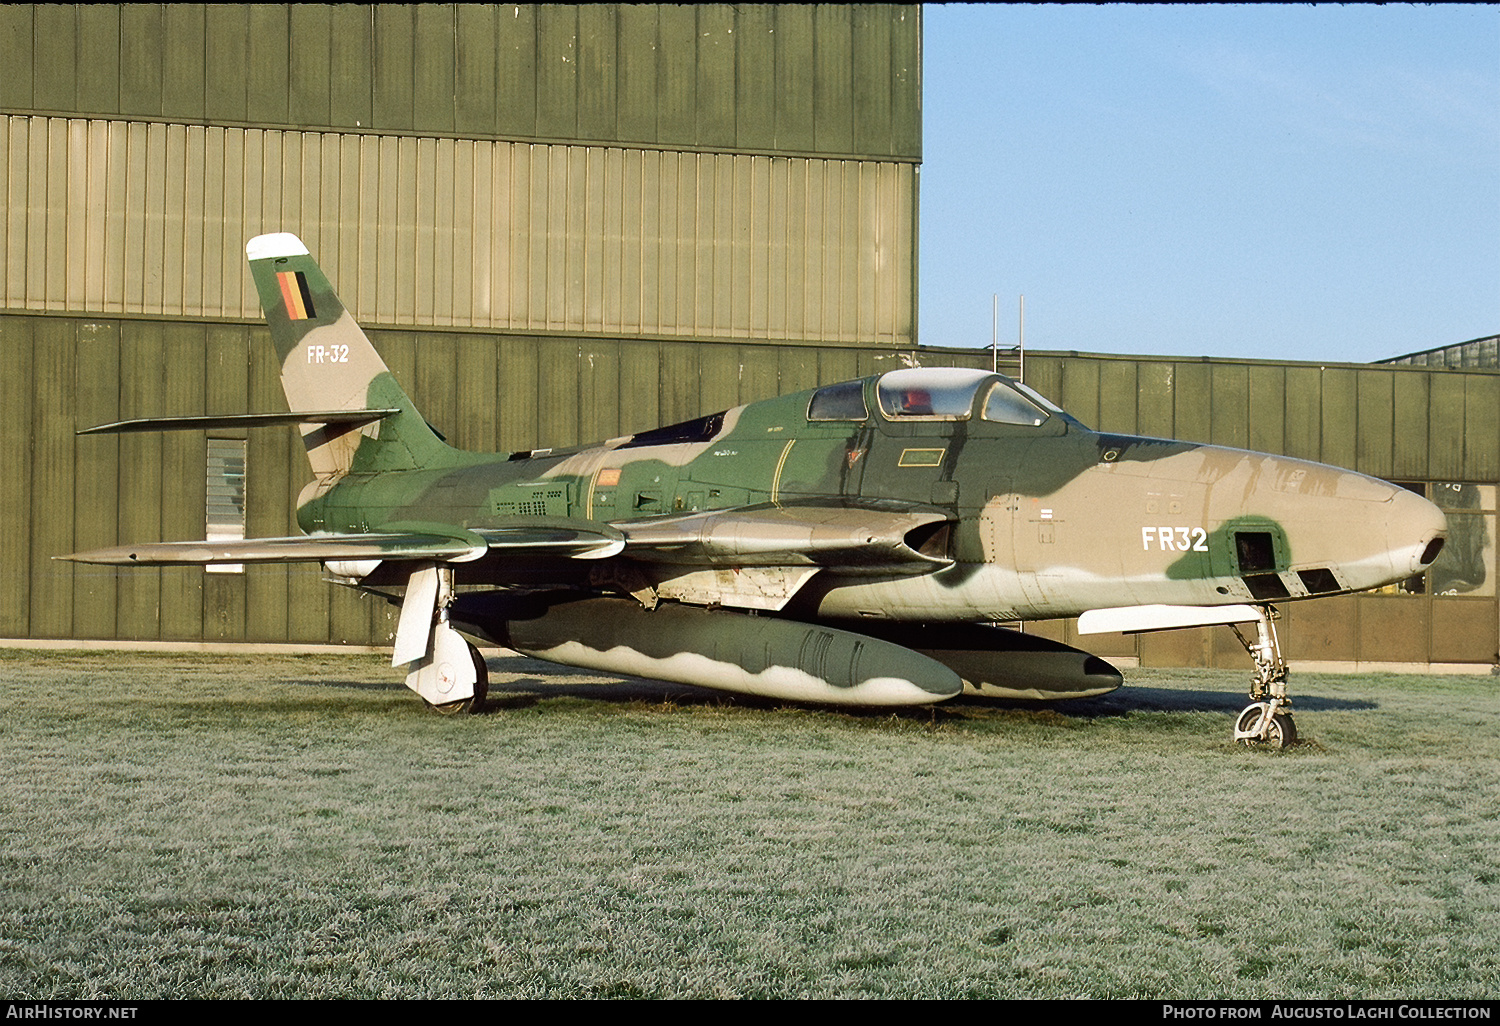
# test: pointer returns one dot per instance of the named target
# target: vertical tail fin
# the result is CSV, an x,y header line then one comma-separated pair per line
x,y
328,364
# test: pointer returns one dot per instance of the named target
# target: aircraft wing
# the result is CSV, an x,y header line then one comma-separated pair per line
x,y
880,537
875,537
296,549
530,538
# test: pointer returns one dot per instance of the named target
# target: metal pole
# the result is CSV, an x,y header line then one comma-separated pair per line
x,y
995,332
1021,343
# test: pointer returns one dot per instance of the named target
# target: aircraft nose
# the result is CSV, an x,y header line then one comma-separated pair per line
x,y
1415,530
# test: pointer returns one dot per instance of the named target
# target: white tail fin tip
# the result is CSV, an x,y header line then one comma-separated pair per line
x,y
277,244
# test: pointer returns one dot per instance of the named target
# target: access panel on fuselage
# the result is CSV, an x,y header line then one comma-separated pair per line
x,y
912,461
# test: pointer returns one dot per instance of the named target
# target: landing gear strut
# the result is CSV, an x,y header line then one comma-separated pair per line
x,y
1267,720
445,670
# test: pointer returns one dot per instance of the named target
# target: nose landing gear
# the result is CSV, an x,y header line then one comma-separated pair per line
x,y
1267,720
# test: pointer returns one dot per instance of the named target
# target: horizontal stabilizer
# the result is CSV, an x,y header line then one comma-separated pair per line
x,y
315,548
1142,619
239,420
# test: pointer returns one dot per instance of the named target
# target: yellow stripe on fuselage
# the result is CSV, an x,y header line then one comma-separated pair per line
x,y
780,465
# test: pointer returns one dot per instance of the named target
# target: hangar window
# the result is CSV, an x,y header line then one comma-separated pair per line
x,y
844,401
224,499
930,393
1465,565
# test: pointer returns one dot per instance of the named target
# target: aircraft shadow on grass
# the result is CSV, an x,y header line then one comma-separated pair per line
x,y
1147,699
517,682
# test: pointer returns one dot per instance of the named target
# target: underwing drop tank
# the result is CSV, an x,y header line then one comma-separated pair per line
x,y
997,662
730,651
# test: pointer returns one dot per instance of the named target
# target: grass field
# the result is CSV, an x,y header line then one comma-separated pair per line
x,y
175,826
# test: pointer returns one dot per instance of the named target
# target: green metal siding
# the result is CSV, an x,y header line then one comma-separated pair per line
x,y
1267,408
267,65
99,52
17,380
1339,427
96,477
226,50
833,85
142,356
1374,443
1479,352
1482,428
833,79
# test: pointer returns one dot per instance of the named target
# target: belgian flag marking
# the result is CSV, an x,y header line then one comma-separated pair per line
x,y
299,305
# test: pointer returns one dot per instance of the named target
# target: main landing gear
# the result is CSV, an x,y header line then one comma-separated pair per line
x,y
1267,720
445,670
475,703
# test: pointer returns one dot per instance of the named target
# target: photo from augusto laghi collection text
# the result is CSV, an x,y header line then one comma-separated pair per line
x,y
1329,1010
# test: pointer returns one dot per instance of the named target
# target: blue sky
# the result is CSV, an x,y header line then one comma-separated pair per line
x,y
1307,183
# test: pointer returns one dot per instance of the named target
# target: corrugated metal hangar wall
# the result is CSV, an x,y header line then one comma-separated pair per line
x,y
572,222
565,223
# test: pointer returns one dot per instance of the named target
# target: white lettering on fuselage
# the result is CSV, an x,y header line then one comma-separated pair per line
x,y
327,354
1174,539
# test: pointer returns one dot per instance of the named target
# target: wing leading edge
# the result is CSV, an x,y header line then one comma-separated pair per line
x,y
394,542
887,538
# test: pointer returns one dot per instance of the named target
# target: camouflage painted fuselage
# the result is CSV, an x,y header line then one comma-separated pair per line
x,y
1043,520
912,509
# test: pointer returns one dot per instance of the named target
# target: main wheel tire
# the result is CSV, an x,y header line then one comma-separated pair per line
x,y
1280,733
482,680
1283,732
1246,721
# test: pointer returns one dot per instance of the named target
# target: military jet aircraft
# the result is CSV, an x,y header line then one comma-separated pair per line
x,y
851,544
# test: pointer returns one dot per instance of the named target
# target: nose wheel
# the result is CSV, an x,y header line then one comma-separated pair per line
x,y
1261,724
1267,720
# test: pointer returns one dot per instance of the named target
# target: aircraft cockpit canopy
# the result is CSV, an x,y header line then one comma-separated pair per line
x,y
935,393
947,393
1011,402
